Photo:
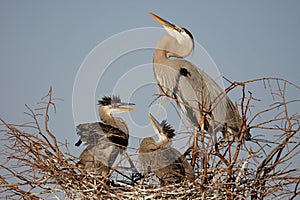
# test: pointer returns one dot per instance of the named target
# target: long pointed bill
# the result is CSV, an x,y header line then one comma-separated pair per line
x,y
167,25
155,124
120,109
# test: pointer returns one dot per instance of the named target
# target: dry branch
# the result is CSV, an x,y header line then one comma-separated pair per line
x,y
35,166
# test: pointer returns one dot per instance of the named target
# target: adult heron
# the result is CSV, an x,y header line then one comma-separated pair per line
x,y
198,96
104,140
160,158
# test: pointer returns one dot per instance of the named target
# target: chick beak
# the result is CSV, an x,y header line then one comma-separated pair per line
x,y
120,107
155,124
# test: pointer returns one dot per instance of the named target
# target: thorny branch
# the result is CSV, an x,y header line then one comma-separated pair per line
x,y
36,167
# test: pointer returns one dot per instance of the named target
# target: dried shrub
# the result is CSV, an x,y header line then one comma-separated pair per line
x,y
264,167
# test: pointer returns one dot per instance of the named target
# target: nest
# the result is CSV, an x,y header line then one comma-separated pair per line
x,y
36,167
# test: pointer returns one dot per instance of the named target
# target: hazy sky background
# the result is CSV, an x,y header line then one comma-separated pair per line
x,y
43,43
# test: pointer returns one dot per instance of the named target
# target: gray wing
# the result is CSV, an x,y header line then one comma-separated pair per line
x,y
166,78
173,167
90,133
201,93
167,164
94,133
104,153
104,143
223,108
196,91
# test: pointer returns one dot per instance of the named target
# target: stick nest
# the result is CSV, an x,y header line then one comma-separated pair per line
x,y
37,166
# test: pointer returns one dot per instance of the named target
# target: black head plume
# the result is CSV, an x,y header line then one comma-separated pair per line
x,y
167,129
107,100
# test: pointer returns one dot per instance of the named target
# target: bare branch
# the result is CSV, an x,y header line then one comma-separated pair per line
x,y
35,166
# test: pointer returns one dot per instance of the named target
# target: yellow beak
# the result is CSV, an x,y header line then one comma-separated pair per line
x,y
155,124
125,109
165,23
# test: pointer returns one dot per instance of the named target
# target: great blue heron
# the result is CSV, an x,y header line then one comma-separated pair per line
x,y
160,158
104,140
198,96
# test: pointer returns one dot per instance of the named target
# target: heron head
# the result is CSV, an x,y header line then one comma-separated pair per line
x,y
113,105
163,130
182,35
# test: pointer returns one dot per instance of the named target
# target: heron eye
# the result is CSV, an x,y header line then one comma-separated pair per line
x,y
184,72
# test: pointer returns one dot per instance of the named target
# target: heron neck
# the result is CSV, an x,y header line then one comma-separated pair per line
x,y
169,47
164,142
108,119
116,122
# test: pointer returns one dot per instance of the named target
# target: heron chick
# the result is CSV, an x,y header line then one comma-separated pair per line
x,y
168,164
106,139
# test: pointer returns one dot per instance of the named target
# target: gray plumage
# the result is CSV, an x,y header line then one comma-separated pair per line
x,y
163,160
106,140
195,92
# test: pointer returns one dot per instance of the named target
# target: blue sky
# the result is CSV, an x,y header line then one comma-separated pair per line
x,y
44,43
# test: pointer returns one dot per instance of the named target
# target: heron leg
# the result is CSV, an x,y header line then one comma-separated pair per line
x,y
204,158
143,179
195,147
